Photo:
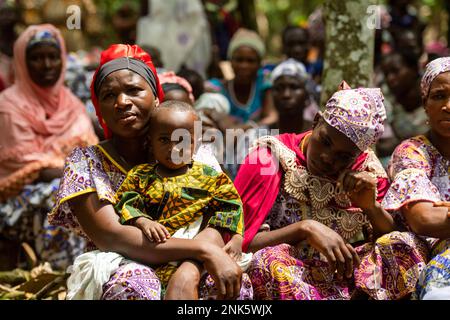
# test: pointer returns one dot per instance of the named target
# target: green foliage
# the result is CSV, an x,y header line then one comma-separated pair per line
x,y
280,13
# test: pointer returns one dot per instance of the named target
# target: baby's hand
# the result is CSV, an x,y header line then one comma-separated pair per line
x,y
154,231
234,247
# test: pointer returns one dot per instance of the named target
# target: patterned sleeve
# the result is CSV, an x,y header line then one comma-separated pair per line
x,y
130,201
227,206
409,170
83,173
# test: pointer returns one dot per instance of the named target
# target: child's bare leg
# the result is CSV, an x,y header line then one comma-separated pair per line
x,y
183,285
211,235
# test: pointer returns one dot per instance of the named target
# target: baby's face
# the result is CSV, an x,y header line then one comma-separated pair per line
x,y
172,137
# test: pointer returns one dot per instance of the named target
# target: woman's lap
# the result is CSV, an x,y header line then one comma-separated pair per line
x,y
134,281
277,273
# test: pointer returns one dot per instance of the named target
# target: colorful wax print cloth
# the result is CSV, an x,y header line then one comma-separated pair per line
x,y
390,265
92,169
420,173
178,201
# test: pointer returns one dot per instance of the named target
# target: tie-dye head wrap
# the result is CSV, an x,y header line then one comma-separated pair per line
x,y
432,70
357,113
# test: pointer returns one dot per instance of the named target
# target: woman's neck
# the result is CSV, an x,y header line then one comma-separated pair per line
x,y
241,90
440,143
289,123
130,151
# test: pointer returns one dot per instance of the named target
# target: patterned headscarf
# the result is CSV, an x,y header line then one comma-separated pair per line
x,y
357,113
249,38
290,67
114,52
432,70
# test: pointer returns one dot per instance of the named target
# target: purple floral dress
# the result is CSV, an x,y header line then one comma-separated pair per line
x,y
92,169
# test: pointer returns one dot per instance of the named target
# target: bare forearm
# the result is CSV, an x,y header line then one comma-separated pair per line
x,y
381,221
101,224
291,234
426,220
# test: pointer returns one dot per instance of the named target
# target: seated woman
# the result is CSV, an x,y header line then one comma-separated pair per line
x,y
41,122
293,97
249,94
405,115
419,170
125,89
311,221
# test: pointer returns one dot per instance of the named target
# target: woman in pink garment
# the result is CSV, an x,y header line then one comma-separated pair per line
x,y
41,121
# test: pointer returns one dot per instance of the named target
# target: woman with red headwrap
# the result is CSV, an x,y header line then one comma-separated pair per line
x,y
125,89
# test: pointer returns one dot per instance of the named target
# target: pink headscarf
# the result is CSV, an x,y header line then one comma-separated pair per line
x,y
56,102
38,122
171,77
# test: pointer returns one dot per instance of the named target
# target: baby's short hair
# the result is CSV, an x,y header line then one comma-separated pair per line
x,y
174,105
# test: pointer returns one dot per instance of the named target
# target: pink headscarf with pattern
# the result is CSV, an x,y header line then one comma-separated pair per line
x,y
357,113
432,70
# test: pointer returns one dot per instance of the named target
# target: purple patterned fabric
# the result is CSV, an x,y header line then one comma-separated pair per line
x,y
208,289
90,169
132,281
357,113
389,270
432,70
418,173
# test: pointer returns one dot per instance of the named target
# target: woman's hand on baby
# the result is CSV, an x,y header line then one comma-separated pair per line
x,y
361,188
341,256
153,230
234,247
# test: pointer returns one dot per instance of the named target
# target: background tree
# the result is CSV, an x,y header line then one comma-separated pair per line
x,y
349,42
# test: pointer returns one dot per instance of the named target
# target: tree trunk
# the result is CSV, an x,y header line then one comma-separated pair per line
x,y
350,37
248,14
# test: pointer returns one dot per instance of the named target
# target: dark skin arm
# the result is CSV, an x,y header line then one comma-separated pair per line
x,y
340,255
184,282
428,219
361,188
101,224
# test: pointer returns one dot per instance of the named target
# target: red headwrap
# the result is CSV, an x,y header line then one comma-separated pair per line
x,y
116,51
